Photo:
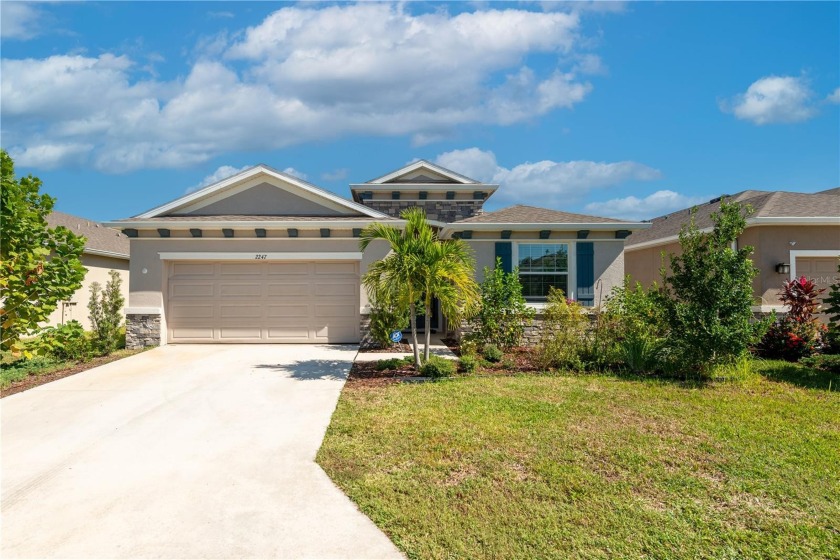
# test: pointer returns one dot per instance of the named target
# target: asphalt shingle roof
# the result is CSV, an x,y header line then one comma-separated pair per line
x,y
252,218
522,214
99,237
766,204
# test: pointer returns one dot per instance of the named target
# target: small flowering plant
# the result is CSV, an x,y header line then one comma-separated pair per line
x,y
798,334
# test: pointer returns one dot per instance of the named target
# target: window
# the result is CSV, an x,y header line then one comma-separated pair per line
x,y
542,265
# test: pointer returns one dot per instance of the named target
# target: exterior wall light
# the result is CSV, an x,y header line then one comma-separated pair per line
x,y
783,268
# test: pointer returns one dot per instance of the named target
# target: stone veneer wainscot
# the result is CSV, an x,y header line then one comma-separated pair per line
x,y
142,330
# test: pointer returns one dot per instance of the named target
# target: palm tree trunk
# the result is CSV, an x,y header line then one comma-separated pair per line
x,y
428,332
413,311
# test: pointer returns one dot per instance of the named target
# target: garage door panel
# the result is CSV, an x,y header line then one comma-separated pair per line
x,y
293,311
186,311
193,269
240,311
289,289
202,290
192,333
288,334
335,268
240,333
240,290
286,269
263,302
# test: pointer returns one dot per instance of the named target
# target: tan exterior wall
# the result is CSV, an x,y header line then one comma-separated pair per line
x,y
772,246
643,265
98,269
266,199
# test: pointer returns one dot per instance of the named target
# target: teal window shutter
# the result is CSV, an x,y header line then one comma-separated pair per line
x,y
586,273
504,252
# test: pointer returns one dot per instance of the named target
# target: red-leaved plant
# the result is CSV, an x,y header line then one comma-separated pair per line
x,y
799,333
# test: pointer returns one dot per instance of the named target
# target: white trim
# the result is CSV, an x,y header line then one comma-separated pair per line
x,y
259,256
571,261
806,253
101,253
428,165
766,221
431,187
143,311
250,224
795,220
249,174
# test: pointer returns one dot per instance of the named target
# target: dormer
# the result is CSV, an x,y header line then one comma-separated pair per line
x,y
445,195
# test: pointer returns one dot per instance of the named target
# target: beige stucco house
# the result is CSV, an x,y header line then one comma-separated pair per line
x,y
106,249
265,257
793,234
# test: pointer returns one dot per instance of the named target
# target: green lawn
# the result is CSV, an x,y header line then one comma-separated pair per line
x,y
595,466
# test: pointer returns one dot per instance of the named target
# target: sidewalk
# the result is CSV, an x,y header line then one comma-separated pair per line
x,y
437,347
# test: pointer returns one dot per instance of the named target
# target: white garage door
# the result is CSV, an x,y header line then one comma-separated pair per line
x,y
246,302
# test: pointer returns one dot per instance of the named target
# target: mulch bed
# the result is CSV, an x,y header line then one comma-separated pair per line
x,y
398,348
40,379
365,373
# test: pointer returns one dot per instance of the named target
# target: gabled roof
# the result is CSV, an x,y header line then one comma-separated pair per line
x,y
532,218
450,176
101,240
769,207
299,185
522,214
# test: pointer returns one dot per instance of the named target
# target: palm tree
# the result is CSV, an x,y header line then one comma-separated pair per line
x,y
419,268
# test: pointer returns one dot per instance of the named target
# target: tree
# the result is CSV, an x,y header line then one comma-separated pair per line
x,y
708,295
105,308
40,266
419,268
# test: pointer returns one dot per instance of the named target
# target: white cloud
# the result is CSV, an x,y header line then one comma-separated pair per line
x,y
49,156
19,20
295,173
336,175
220,174
773,99
633,208
304,73
834,97
551,183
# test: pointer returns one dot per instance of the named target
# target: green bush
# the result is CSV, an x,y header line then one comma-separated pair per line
x,y
106,313
391,363
469,346
492,353
824,362
468,363
504,313
563,335
708,295
637,327
436,367
384,320
65,342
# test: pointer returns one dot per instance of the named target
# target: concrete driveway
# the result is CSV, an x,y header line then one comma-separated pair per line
x,y
182,452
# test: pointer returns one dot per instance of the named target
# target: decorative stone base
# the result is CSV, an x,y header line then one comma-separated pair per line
x,y
366,341
440,210
142,331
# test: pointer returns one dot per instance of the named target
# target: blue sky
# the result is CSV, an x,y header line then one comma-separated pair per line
x,y
627,110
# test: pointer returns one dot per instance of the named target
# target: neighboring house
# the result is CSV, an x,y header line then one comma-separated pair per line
x,y
106,249
794,234
267,257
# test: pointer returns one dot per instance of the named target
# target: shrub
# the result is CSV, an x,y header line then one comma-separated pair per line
x,y
106,313
504,313
469,346
799,333
65,342
384,320
824,362
832,309
492,353
390,363
708,295
436,367
468,363
563,335
637,326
